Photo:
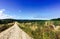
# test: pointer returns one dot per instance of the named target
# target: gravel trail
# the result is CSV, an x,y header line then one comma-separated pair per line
x,y
14,32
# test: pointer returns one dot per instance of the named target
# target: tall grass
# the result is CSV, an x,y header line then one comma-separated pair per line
x,y
43,30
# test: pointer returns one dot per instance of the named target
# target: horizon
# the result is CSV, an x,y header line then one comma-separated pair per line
x,y
29,19
30,9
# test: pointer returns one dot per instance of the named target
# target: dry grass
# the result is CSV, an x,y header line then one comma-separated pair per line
x,y
5,26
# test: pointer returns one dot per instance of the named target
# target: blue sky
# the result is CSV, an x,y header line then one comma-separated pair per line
x,y
29,9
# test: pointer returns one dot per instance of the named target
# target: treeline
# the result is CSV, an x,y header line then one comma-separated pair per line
x,y
56,19
4,21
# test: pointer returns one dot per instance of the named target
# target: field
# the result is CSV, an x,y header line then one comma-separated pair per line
x,y
38,29
5,26
42,29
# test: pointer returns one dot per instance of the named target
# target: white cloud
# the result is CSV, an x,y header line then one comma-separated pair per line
x,y
3,15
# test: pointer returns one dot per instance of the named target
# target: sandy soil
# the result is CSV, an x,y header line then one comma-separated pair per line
x,y
14,32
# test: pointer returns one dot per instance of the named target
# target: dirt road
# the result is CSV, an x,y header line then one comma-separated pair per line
x,y
14,32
